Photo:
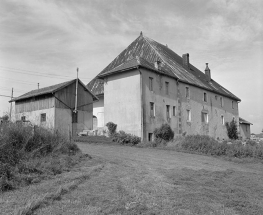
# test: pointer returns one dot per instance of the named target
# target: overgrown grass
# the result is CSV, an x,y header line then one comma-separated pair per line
x,y
27,156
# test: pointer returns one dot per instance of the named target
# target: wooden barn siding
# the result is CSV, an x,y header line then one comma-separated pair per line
x,y
67,95
32,104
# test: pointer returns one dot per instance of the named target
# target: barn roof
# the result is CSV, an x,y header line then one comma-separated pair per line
x,y
51,89
144,52
242,121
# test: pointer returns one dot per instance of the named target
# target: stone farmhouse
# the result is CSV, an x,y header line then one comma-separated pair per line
x,y
57,107
148,84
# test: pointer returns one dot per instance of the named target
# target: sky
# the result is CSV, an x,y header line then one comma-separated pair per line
x,y
45,41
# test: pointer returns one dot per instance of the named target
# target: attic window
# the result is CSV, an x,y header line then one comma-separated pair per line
x,y
205,97
221,101
187,92
167,88
150,83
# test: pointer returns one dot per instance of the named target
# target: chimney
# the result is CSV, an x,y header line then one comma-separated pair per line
x,y
207,72
186,60
157,64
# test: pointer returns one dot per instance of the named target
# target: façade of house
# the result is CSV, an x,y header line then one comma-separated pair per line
x,y
148,85
66,107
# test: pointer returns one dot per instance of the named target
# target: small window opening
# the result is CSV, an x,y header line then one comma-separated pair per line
x,y
188,112
167,88
150,137
174,110
187,92
204,117
205,97
222,120
152,109
23,118
150,83
221,101
232,104
168,111
43,117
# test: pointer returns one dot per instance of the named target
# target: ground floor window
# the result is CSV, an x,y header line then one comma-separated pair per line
x,y
150,137
23,118
43,117
188,112
222,120
204,117
168,111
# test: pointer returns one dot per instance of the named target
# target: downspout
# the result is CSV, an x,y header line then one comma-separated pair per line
x,y
142,137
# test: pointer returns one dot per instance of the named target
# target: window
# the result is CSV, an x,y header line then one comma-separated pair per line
x,y
152,109
168,111
187,92
167,88
221,101
150,83
205,97
216,97
23,118
150,137
188,112
174,111
204,117
232,104
74,117
42,117
222,120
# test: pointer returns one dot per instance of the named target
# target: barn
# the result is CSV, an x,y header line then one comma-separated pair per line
x,y
66,107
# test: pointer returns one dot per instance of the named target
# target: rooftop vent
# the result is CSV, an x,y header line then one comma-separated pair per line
x,y
186,60
157,64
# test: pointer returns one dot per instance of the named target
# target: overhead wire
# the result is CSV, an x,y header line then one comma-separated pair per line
x,y
22,71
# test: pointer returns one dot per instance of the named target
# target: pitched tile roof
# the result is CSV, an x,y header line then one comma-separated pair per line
x,y
242,121
50,89
144,52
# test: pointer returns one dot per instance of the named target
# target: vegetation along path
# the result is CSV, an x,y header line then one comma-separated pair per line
x,y
130,180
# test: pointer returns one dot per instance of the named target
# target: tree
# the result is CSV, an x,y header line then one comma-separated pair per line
x,y
232,129
5,117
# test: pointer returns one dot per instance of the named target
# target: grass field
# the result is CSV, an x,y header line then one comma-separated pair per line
x,y
130,180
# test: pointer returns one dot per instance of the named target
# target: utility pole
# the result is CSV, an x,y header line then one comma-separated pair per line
x,y
11,104
76,98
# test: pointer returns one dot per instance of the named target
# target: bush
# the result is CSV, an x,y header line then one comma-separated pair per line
x,y
232,130
22,151
112,128
207,145
124,138
163,134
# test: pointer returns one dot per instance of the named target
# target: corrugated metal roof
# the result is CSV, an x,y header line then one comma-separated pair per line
x,y
242,121
51,89
149,51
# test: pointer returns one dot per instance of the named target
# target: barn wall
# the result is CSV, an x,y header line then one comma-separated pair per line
x,y
34,117
33,104
67,96
98,112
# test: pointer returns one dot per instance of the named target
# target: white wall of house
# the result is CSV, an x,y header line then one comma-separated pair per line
x,y
98,111
122,101
35,117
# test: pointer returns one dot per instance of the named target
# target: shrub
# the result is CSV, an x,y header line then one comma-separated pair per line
x,y
22,153
232,130
124,138
164,133
111,127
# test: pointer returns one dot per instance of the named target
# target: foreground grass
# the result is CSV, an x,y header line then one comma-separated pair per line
x,y
130,180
